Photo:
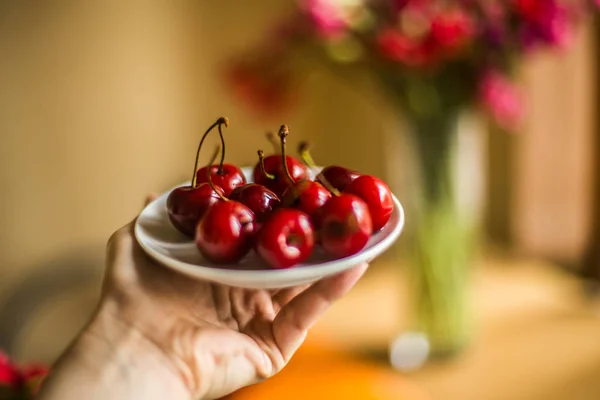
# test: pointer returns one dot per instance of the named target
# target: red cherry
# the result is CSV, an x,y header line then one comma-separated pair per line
x,y
257,198
286,239
334,176
344,225
186,205
225,233
338,177
378,197
306,196
271,171
278,181
227,177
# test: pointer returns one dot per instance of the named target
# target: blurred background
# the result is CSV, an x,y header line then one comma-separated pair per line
x,y
102,103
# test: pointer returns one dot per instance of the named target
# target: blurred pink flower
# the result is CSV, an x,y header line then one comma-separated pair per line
x,y
333,17
327,15
501,98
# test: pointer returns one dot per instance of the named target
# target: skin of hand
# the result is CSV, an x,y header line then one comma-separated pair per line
x,y
200,339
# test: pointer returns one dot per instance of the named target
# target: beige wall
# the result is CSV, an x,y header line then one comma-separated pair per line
x,y
95,113
553,158
103,102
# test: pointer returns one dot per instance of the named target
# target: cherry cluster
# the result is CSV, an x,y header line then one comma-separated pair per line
x,y
283,215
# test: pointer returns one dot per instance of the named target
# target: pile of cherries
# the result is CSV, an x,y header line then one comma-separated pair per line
x,y
283,215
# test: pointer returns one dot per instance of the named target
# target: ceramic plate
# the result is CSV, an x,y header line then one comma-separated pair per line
x,y
161,241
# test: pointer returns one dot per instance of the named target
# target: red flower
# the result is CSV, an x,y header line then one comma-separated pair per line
x,y
9,374
34,375
396,46
452,29
531,9
545,21
265,88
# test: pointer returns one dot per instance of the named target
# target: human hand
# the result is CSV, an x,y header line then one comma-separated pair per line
x,y
215,338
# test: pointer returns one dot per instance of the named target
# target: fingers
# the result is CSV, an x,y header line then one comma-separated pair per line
x,y
122,237
295,318
284,296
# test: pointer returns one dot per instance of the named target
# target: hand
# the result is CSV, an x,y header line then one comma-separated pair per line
x,y
216,338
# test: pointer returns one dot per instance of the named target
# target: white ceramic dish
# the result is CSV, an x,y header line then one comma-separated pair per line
x,y
161,241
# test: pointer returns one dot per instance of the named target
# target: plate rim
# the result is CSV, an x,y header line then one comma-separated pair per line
x,y
305,272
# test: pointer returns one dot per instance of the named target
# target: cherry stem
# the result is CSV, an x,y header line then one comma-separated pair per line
x,y
304,151
220,170
284,131
328,185
274,142
261,161
209,177
218,122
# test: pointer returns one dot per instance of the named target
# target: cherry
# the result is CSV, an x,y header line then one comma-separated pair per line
x,y
274,167
286,239
187,204
226,176
257,198
344,225
271,172
226,231
378,197
338,177
305,195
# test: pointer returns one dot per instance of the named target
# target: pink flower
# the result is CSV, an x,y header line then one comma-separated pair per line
x,y
545,21
501,99
9,374
331,17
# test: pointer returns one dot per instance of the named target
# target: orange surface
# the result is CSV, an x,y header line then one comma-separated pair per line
x,y
318,374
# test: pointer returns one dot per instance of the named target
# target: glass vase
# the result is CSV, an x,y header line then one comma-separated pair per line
x,y
443,218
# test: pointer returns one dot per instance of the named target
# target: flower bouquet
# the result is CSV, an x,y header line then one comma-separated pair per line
x,y
433,59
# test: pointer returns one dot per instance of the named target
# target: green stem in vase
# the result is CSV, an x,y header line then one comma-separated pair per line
x,y
442,238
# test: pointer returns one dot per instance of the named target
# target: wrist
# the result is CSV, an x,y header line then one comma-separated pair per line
x,y
111,358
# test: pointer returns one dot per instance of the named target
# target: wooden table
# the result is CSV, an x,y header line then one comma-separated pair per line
x,y
535,335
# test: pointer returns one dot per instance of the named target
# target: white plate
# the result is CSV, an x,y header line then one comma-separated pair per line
x,y
166,245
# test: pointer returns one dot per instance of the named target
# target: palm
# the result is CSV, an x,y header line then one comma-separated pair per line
x,y
228,337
